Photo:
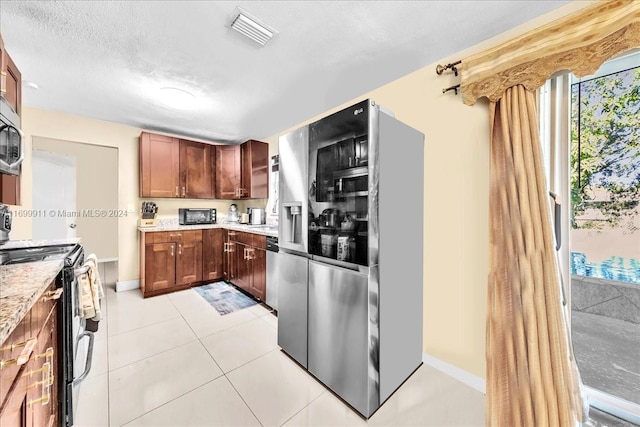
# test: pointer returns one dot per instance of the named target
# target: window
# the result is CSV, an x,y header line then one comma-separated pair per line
x,y
590,128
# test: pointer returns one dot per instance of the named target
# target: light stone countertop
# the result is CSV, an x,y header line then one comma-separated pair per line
x,y
170,225
20,287
19,244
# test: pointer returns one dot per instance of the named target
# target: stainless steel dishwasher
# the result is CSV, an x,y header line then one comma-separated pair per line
x,y
273,272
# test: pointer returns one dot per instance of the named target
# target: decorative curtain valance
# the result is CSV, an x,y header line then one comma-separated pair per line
x,y
580,43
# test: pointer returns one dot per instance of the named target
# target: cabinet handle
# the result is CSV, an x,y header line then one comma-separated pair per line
x,y
177,193
53,295
46,367
172,250
224,248
179,249
183,192
46,383
48,353
25,354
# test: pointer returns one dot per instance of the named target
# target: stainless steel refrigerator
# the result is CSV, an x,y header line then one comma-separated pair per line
x,y
351,239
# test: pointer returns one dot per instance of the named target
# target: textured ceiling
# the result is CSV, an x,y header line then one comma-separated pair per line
x,y
108,59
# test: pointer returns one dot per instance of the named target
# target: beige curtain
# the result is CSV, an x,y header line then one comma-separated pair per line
x,y
532,379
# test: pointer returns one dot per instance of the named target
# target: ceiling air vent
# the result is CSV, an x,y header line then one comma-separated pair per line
x,y
250,27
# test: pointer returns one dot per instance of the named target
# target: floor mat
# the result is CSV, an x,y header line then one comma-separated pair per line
x,y
224,297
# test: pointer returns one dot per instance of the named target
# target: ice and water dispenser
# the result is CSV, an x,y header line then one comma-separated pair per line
x,y
292,228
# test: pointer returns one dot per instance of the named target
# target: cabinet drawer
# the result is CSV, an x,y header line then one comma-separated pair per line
x,y
157,237
260,241
192,235
245,238
43,307
173,236
9,351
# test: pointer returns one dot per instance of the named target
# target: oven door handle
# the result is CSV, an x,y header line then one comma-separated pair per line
x,y
87,366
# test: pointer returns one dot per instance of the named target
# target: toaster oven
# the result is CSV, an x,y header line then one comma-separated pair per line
x,y
191,216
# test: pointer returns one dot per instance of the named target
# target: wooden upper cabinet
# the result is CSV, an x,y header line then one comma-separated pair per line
x,y
9,189
178,168
159,166
13,84
3,67
196,177
228,172
10,80
255,169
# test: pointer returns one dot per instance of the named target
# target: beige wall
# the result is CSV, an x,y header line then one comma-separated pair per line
x,y
455,197
456,200
96,188
49,124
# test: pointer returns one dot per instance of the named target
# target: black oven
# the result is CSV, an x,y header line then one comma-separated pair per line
x,y
196,216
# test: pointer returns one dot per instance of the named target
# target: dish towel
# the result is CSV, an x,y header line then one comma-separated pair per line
x,y
90,293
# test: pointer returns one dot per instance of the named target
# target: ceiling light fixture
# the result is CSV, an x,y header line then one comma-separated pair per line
x,y
251,27
30,85
176,98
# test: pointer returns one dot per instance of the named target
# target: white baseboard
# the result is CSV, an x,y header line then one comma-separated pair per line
x,y
461,375
127,286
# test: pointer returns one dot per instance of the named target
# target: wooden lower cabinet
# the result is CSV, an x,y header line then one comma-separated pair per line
x,y
213,254
258,286
189,262
176,260
229,258
160,266
243,266
16,412
41,377
251,264
30,392
170,261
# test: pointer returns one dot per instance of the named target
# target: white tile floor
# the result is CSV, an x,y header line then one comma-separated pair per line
x,y
172,360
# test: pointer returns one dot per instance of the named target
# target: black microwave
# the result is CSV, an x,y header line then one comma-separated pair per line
x,y
196,216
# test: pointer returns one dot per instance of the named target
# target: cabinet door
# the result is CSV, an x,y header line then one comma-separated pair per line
x,y
212,253
189,262
255,170
258,273
16,412
43,389
159,166
3,80
195,170
9,189
12,85
243,277
229,261
227,171
160,266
